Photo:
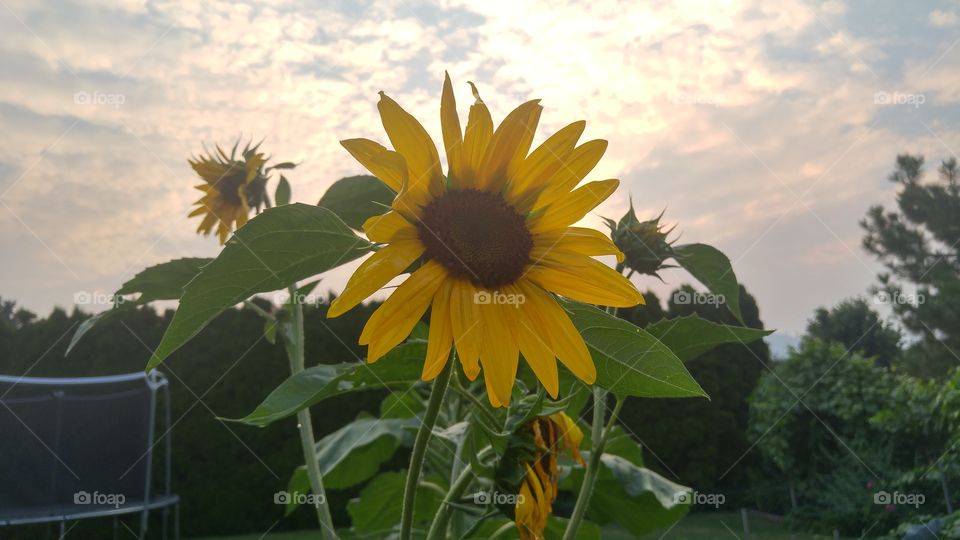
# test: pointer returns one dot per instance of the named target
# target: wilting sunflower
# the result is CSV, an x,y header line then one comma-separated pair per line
x,y
495,241
232,186
538,490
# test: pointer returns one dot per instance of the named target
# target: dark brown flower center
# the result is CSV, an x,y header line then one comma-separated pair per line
x,y
477,236
229,185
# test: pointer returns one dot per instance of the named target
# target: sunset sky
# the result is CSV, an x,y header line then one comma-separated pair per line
x,y
766,129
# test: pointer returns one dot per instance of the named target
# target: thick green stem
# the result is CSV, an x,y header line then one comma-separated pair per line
x,y
295,352
420,448
600,432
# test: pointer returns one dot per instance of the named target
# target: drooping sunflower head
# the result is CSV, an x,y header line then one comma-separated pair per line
x,y
491,241
552,436
232,186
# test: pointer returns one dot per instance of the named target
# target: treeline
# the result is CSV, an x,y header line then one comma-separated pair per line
x,y
227,473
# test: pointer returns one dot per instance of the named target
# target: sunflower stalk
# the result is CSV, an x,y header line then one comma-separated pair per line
x,y
600,433
295,352
420,448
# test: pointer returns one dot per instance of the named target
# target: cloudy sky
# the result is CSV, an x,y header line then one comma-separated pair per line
x,y
766,129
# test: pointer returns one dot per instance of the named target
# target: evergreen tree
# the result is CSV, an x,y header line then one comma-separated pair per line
x,y
919,243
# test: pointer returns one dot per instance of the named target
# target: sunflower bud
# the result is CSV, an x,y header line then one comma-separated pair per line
x,y
643,243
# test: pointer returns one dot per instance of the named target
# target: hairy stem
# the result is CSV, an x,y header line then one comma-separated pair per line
x,y
295,353
420,448
600,433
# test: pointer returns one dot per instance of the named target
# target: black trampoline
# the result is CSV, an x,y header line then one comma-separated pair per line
x,y
78,448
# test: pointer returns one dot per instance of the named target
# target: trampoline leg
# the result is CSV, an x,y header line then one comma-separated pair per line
x,y
166,514
116,524
176,521
144,517
63,532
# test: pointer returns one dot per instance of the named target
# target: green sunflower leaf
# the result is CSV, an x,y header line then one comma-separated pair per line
x,y
357,198
354,453
689,337
164,281
284,165
275,249
400,368
629,360
282,194
712,268
377,511
638,499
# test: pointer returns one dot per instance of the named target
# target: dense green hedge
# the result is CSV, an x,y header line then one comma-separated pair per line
x,y
225,473
695,442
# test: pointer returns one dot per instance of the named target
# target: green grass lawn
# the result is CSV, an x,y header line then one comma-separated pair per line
x,y
693,527
718,526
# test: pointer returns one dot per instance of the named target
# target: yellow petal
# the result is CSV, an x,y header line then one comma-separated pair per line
x,y
578,240
364,151
382,228
532,174
576,167
393,321
412,142
253,166
412,196
467,327
581,278
440,337
571,208
207,224
549,319
450,126
525,513
536,351
499,354
375,272
510,141
570,433
476,139
223,231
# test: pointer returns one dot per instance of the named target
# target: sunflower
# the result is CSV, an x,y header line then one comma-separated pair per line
x,y
494,243
231,187
538,490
